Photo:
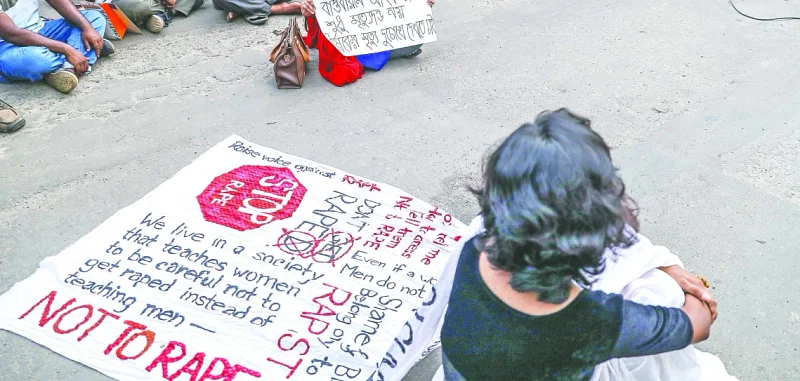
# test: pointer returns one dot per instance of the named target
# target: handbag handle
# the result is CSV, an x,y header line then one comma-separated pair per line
x,y
292,32
274,54
290,37
297,40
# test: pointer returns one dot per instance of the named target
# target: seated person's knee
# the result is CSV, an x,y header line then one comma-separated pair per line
x,y
95,18
31,63
137,11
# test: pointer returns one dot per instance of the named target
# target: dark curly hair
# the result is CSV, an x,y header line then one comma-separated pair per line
x,y
552,203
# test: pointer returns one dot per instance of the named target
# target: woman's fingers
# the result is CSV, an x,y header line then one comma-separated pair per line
x,y
307,8
691,288
695,287
713,306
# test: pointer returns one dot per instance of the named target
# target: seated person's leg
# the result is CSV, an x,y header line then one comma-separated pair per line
x,y
185,7
257,11
278,7
60,30
252,9
151,13
28,63
226,6
99,24
139,11
285,7
34,63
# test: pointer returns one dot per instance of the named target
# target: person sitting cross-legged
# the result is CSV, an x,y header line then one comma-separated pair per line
x,y
57,51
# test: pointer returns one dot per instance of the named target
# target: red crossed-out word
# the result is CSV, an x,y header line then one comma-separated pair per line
x,y
328,249
360,183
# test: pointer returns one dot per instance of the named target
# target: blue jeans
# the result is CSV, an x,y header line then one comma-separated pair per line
x,y
32,63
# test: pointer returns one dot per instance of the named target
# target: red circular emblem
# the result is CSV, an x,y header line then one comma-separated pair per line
x,y
251,196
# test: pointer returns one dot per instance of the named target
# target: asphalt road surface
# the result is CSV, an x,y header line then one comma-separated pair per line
x,y
701,105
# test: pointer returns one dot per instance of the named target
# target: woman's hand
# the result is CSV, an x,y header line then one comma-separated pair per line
x,y
692,285
431,2
700,316
307,8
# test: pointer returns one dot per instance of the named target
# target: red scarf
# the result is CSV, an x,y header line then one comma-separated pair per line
x,y
336,68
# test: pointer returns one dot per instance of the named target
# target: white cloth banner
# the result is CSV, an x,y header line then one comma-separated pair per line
x,y
358,27
633,274
248,264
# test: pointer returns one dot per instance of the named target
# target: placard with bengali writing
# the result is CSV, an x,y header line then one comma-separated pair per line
x,y
358,27
248,264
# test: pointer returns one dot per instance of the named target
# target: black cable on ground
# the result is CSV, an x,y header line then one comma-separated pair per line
x,y
760,19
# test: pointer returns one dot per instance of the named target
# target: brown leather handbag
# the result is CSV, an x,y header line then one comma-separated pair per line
x,y
289,58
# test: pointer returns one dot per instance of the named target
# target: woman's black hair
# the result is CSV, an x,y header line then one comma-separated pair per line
x,y
552,203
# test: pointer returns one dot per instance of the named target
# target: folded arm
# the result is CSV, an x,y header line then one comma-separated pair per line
x,y
649,330
21,37
70,13
701,317
692,285
91,39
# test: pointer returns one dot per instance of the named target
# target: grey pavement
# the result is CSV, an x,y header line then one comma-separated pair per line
x,y
701,105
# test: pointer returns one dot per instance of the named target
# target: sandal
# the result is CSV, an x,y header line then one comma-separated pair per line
x,y
10,120
257,19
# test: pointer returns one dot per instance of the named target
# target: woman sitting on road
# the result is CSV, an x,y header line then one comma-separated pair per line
x,y
521,307
335,67
310,11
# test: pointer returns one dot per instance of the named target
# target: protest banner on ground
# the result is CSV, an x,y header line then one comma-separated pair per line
x,y
248,264
358,27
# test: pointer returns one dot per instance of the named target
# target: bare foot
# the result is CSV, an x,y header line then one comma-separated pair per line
x,y
286,9
232,16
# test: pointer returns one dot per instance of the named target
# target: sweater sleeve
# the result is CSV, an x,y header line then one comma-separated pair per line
x,y
648,330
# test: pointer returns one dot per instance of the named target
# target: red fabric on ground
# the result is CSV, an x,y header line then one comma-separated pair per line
x,y
333,66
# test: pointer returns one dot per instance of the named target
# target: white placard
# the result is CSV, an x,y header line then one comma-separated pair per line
x,y
358,27
248,264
